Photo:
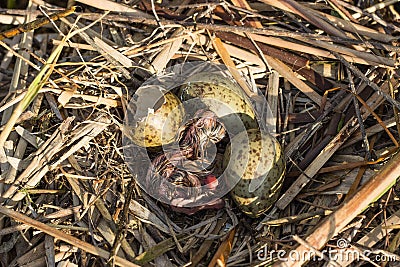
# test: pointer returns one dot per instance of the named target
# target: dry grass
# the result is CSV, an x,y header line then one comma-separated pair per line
x,y
330,72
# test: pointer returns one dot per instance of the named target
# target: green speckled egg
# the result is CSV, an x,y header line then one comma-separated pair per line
x,y
255,159
222,96
158,116
215,78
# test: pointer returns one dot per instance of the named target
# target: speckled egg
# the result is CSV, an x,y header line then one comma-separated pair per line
x,y
158,116
223,97
254,160
215,78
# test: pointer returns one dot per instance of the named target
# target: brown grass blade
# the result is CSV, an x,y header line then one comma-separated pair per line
x,y
116,7
36,23
308,14
245,5
223,53
350,127
63,236
335,222
222,254
286,72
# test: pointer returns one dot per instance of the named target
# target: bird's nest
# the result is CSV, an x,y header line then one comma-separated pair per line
x,y
327,70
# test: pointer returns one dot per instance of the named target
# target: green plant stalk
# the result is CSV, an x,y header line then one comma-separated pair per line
x,y
11,4
36,85
158,250
40,80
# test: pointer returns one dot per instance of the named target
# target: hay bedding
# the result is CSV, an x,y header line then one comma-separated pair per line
x,y
328,68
